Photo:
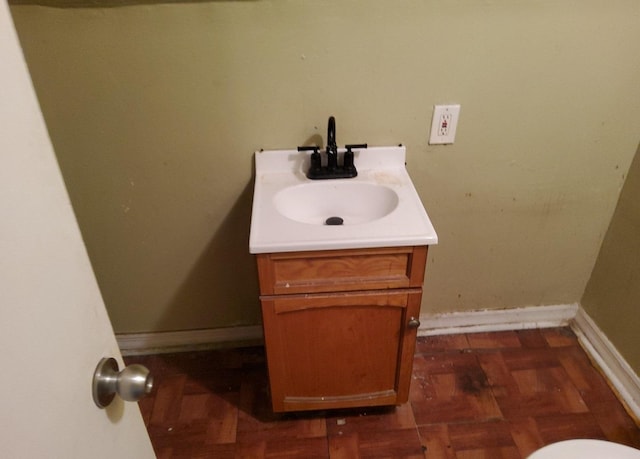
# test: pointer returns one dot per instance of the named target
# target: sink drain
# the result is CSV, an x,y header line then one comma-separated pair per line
x,y
334,221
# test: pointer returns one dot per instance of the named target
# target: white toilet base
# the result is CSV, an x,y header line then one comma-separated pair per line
x,y
585,449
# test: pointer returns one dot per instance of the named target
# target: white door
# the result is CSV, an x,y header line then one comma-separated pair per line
x,y
53,324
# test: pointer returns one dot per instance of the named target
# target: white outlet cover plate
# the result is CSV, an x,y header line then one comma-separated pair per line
x,y
444,134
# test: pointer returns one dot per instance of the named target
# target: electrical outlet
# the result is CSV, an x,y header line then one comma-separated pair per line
x,y
444,124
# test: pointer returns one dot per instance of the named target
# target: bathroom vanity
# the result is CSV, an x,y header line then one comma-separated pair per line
x,y
340,303
340,325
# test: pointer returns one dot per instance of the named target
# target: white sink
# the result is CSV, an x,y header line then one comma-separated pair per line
x,y
352,203
378,208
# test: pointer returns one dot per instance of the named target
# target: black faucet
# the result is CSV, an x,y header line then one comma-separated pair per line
x,y
332,147
332,170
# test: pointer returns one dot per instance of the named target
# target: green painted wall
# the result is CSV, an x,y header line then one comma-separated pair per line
x,y
612,297
155,110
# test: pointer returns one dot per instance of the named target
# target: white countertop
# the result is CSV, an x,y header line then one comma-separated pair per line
x,y
406,225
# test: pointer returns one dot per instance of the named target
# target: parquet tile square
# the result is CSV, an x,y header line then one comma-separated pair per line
x,y
373,432
442,343
561,427
371,419
495,340
436,442
451,388
541,392
168,398
484,395
526,436
475,436
531,339
558,337
313,448
402,444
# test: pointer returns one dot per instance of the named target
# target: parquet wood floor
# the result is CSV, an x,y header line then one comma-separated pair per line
x,y
485,395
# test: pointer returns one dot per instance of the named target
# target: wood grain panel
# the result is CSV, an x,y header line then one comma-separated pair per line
x,y
341,270
339,350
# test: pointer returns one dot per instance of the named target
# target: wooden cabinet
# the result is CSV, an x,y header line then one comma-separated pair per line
x,y
340,326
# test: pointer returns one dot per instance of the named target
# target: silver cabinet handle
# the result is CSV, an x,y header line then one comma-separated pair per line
x,y
413,323
131,384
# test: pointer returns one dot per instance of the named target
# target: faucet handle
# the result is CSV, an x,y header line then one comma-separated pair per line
x,y
316,161
313,148
348,158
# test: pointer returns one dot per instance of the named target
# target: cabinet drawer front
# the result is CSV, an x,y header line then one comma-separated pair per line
x,y
343,270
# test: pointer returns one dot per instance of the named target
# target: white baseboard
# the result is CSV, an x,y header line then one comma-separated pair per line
x,y
188,340
437,324
613,365
497,320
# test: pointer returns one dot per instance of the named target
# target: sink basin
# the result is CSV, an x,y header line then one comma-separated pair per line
x,y
378,208
352,202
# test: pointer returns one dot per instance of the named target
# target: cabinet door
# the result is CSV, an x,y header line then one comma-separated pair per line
x,y
340,350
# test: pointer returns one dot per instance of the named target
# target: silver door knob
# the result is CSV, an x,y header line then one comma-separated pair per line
x,y
413,323
131,384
